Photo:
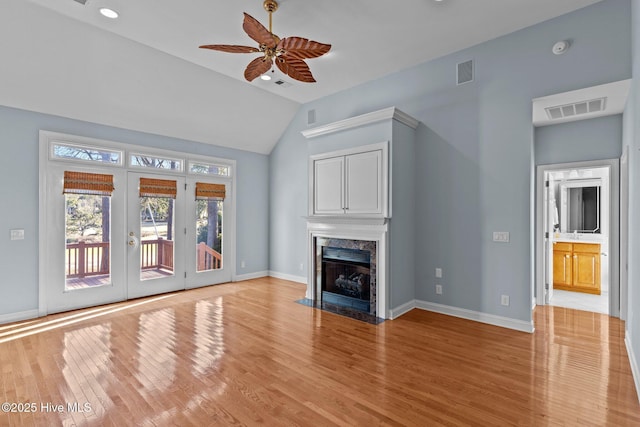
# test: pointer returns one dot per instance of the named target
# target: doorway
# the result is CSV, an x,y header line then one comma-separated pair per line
x,y
577,242
122,222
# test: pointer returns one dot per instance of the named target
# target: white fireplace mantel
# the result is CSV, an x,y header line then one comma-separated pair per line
x,y
370,229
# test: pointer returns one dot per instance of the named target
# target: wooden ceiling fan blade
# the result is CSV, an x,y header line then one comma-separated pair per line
x,y
257,67
302,48
258,32
295,68
230,48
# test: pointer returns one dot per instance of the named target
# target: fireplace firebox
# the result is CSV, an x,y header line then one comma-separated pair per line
x,y
346,277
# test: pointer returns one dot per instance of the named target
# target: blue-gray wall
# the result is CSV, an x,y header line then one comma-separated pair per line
x,y
19,136
474,154
581,141
632,139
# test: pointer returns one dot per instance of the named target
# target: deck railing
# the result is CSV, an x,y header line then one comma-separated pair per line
x,y
92,259
208,258
157,254
87,259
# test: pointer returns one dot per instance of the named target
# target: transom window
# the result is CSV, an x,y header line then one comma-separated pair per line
x,y
155,162
209,169
61,150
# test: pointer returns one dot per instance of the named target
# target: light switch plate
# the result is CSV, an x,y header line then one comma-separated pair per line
x,y
439,273
501,236
17,234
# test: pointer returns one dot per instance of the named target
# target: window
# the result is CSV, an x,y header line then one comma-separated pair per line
x,y
209,169
155,162
66,151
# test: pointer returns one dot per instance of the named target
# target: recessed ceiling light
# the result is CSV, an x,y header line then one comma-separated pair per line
x,y
265,77
109,13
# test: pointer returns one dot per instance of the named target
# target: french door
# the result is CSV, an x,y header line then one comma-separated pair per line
x,y
82,258
152,234
208,207
176,233
155,234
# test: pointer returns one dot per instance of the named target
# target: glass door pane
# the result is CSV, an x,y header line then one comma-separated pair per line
x,y
87,237
157,232
209,217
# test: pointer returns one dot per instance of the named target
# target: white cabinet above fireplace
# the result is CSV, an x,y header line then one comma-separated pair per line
x,y
351,182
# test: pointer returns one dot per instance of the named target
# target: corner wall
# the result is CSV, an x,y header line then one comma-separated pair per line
x,y
474,154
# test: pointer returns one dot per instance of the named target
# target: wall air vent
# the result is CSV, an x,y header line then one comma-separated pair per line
x,y
577,108
464,72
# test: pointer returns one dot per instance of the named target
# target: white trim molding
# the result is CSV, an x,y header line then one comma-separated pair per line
x,y
249,276
289,277
364,119
478,316
635,372
16,317
394,313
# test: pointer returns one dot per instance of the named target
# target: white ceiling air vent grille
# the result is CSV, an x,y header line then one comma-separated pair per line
x,y
282,83
577,108
464,72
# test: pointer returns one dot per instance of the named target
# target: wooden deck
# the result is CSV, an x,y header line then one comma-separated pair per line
x,y
93,281
247,354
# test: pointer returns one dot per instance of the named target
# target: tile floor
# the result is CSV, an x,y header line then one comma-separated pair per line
x,y
581,301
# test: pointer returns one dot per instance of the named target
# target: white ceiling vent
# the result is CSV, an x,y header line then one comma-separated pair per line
x,y
465,72
575,109
282,83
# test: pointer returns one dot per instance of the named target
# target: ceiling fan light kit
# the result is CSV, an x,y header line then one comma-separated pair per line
x,y
288,53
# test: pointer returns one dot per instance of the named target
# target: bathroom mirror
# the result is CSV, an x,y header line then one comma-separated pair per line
x,y
580,206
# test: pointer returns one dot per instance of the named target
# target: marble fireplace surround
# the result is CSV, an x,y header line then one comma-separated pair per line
x,y
371,230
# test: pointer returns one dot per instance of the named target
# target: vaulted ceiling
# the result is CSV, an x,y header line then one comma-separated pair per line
x,y
144,71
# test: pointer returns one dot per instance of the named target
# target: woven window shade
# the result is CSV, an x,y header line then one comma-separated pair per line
x,y
209,191
151,187
87,183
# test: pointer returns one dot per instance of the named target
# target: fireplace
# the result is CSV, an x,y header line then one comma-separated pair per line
x,y
346,273
346,277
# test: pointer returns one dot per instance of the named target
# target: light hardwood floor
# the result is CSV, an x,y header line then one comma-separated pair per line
x,y
247,354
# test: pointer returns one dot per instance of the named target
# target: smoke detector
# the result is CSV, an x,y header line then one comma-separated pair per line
x,y
561,47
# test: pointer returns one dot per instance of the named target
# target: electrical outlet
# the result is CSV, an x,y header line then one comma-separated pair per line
x,y
438,273
504,300
242,264
301,266
439,289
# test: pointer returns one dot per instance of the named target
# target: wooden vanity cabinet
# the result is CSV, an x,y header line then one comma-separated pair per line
x,y
576,267
562,265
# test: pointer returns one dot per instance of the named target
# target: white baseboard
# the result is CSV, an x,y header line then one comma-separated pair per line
x,y
633,362
396,312
249,276
22,315
491,319
290,277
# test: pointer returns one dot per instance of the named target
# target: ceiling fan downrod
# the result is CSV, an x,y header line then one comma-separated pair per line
x,y
270,6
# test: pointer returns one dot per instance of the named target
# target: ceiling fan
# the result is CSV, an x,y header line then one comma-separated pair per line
x,y
288,53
